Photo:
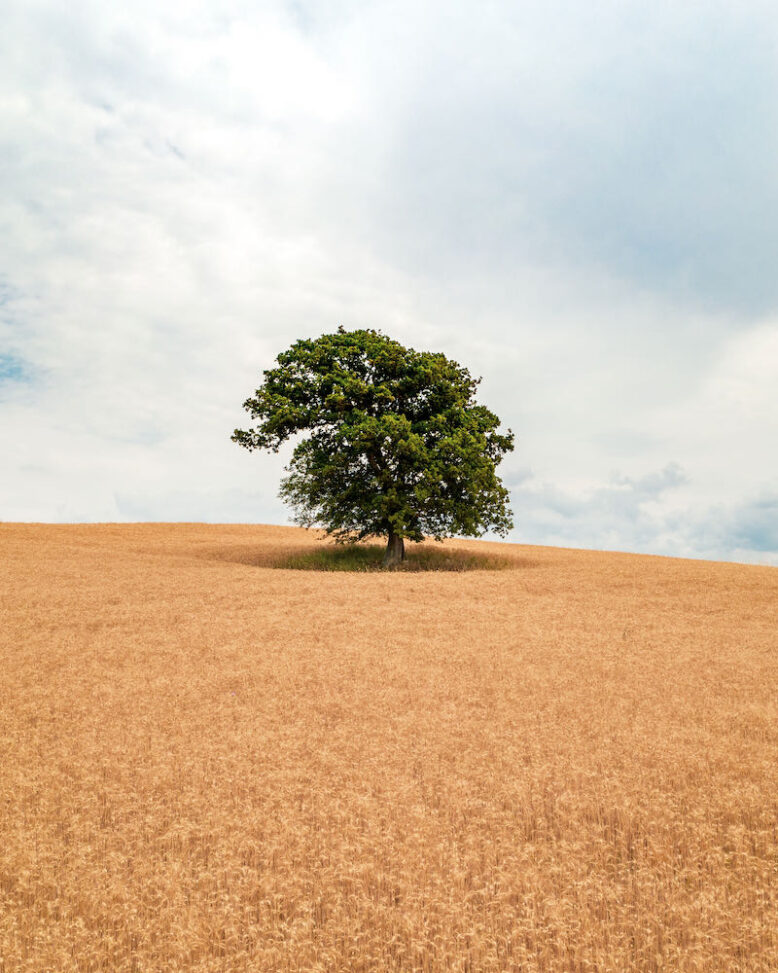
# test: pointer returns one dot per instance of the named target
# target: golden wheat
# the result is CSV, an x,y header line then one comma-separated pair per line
x,y
210,763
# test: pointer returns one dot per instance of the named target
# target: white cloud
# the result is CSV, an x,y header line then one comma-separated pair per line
x,y
188,191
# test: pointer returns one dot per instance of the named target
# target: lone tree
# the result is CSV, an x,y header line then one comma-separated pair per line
x,y
397,446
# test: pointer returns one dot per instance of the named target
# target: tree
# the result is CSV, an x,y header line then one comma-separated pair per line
x,y
397,446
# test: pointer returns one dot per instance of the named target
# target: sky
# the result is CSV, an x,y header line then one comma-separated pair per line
x,y
578,202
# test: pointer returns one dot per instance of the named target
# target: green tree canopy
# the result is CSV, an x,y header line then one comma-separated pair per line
x,y
397,446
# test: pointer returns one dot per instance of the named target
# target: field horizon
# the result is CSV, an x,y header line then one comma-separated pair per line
x,y
514,757
319,537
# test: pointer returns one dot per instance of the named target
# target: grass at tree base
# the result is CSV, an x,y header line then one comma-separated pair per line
x,y
369,557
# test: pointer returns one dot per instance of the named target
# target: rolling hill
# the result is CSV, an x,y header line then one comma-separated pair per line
x,y
530,759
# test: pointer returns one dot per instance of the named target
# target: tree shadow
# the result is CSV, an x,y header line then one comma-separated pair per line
x,y
365,558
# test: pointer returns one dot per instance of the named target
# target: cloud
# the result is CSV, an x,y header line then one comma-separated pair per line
x,y
642,515
605,138
623,514
12,369
754,526
575,202
744,531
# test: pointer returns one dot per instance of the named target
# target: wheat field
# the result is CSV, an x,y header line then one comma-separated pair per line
x,y
555,760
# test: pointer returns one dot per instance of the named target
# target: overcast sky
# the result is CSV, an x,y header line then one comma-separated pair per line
x,y
579,202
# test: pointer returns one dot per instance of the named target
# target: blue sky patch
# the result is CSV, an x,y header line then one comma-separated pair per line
x,y
13,369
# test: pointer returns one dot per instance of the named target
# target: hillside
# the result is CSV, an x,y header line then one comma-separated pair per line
x,y
210,762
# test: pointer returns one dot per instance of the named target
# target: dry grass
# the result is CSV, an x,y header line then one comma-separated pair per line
x,y
213,764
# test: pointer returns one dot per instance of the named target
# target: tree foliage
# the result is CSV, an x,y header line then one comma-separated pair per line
x,y
396,444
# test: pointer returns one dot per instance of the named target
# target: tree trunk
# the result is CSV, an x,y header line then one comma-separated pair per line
x,y
395,551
